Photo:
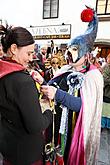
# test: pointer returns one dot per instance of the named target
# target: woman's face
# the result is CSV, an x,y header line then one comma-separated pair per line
x,y
24,54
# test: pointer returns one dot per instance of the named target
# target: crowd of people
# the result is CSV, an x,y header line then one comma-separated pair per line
x,y
66,100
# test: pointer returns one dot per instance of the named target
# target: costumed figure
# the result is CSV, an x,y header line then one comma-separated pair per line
x,y
80,89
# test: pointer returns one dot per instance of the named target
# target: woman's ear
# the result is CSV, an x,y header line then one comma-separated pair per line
x,y
13,49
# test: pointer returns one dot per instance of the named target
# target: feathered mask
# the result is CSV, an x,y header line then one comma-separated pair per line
x,y
83,44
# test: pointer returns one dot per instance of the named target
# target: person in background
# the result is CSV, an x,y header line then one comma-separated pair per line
x,y
49,54
61,57
103,62
49,74
54,67
42,56
95,61
52,47
105,122
80,130
22,120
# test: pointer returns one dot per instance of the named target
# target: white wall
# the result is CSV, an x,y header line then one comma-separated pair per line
x,y
104,30
29,12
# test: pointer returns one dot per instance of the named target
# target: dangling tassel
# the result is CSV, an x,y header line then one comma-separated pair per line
x,y
84,66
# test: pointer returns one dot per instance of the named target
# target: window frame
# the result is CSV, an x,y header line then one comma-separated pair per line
x,y
103,16
50,11
105,6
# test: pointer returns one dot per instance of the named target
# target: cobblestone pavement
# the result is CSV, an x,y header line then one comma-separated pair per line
x,y
104,153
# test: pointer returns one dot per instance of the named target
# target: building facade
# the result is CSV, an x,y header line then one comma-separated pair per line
x,y
59,20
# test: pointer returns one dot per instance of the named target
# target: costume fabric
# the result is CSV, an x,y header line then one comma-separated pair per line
x,y
64,100
86,137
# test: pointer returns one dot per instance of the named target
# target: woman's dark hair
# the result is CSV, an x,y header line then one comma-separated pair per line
x,y
15,35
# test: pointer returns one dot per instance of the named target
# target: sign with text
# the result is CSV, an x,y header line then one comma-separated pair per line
x,y
51,32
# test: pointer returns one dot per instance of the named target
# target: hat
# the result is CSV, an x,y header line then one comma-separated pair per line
x,y
43,47
84,43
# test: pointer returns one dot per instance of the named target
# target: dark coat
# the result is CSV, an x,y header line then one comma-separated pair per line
x,y
40,62
69,101
48,74
22,120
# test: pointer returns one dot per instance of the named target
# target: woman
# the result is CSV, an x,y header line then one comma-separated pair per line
x,y
22,120
55,66
105,122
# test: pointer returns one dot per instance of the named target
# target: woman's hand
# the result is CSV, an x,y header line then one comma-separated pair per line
x,y
49,91
36,76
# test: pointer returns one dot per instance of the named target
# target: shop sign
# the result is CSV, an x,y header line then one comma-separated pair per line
x,y
51,32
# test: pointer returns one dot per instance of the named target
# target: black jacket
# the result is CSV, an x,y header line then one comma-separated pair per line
x,y
40,62
22,120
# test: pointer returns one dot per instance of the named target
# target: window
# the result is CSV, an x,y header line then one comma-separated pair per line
x,y
103,7
50,8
